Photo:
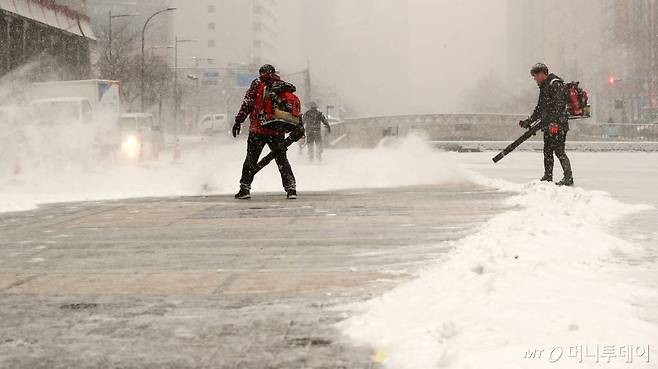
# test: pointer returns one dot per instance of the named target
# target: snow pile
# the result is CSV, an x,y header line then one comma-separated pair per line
x,y
216,166
540,276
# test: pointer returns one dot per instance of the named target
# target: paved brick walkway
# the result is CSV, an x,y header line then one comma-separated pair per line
x,y
215,283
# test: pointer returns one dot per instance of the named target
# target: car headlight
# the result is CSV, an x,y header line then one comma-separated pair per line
x,y
130,147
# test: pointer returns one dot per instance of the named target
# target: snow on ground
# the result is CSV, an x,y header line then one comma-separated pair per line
x,y
628,176
217,166
549,275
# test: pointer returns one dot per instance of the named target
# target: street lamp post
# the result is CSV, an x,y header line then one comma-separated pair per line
x,y
143,66
227,101
197,79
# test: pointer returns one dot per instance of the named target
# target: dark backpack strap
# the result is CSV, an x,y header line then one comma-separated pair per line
x,y
557,79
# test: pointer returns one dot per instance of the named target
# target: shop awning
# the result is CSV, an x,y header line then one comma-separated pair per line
x,y
69,21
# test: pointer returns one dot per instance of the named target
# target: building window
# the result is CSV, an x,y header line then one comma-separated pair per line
x,y
211,26
211,8
211,43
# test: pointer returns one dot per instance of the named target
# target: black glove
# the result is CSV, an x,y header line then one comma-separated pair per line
x,y
525,123
237,127
329,130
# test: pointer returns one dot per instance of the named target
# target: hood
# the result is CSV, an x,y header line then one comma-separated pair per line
x,y
271,78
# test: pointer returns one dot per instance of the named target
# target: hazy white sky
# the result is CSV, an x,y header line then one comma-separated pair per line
x,y
396,56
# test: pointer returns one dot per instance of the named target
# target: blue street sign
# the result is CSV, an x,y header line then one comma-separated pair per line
x,y
245,79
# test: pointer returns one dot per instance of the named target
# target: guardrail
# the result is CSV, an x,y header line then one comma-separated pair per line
x,y
369,131
616,132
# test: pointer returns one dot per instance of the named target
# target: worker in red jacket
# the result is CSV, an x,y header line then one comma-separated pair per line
x,y
260,136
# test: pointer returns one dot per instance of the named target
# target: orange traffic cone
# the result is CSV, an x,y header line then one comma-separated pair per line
x,y
18,167
178,155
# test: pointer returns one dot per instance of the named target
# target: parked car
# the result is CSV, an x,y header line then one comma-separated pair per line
x,y
214,124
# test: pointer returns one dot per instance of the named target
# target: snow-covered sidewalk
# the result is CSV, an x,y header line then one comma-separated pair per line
x,y
547,284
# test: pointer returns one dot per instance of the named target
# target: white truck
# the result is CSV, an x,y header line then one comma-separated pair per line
x,y
89,101
95,104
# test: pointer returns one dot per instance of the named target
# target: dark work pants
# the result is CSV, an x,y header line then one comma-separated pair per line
x,y
255,146
555,145
314,143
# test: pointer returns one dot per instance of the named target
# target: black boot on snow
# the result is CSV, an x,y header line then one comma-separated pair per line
x,y
292,195
547,178
243,195
567,181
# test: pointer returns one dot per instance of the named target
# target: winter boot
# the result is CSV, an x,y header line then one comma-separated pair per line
x,y
243,195
292,195
547,178
566,181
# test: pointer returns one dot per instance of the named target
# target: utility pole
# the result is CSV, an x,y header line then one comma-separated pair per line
x,y
653,37
109,36
196,70
309,94
177,94
176,100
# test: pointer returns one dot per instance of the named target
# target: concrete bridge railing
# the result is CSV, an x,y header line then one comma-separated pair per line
x,y
369,131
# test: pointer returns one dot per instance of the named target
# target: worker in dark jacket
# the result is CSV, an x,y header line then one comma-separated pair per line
x,y
551,111
313,121
260,136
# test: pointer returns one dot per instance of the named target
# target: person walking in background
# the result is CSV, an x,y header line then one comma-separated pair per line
x,y
313,120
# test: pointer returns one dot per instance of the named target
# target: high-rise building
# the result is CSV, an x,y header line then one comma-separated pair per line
x,y
566,35
354,47
226,32
629,62
525,40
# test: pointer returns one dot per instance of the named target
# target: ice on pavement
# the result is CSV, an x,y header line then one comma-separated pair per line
x,y
547,274
71,175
